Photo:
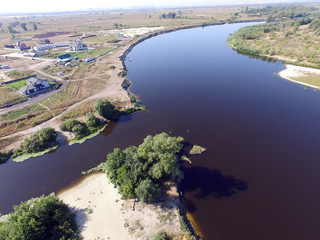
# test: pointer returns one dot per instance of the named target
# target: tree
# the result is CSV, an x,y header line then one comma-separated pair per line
x,y
147,191
91,120
24,26
34,25
46,217
38,142
105,109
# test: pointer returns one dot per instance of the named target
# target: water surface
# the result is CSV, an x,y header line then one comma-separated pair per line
x,y
259,178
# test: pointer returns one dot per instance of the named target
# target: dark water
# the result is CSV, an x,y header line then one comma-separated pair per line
x,y
259,178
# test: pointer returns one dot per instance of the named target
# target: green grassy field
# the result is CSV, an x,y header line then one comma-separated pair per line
x,y
19,84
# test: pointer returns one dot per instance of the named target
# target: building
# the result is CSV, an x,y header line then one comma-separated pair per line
x,y
35,86
77,45
64,58
17,46
50,46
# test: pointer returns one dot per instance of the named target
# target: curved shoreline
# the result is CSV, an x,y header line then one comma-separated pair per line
x,y
151,35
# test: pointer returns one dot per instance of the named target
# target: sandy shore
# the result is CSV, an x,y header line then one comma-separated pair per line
x,y
293,71
101,214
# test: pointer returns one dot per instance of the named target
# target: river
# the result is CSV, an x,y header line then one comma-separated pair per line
x,y
258,178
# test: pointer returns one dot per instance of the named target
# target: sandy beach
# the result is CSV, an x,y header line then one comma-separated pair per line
x,y
293,71
101,214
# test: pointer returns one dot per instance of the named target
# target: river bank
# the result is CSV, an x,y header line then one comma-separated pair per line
x,y
309,77
100,212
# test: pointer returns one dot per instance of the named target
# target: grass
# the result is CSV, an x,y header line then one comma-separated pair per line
x,y
8,141
24,118
10,97
80,111
196,149
16,74
93,132
24,157
90,53
19,84
32,109
309,79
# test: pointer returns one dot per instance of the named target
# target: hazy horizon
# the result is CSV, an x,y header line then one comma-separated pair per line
x,y
37,6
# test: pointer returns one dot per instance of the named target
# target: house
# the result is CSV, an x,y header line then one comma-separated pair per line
x,y
35,86
64,58
77,45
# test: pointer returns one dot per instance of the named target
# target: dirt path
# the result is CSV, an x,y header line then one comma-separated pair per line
x,y
112,91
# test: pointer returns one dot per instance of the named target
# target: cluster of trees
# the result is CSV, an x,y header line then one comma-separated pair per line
x,y
46,217
80,129
11,26
170,15
37,142
240,40
138,171
273,13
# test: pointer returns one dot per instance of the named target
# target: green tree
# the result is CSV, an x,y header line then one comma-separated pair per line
x,y
91,120
38,142
24,26
105,109
147,191
35,27
41,218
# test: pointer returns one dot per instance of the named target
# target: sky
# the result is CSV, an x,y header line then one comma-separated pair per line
x,y
16,6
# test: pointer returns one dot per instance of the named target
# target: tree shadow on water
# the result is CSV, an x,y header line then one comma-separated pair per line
x,y
210,183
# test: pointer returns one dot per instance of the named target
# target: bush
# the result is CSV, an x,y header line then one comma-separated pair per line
x,y
147,191
68,125
38,142
160,236
40,218
74,126
105,109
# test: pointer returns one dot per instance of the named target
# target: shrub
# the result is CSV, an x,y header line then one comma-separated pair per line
x,y
160,236
68,125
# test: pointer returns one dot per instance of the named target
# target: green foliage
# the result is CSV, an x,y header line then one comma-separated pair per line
x,y
74,126
37,142
147,191
170,15
91,120
160,236
156,159
105,109
4,157
40,218
24,26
